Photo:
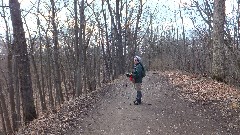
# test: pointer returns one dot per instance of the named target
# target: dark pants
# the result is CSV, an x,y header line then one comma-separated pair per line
x,y
138,88
139,95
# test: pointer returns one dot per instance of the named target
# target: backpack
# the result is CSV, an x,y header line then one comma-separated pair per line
x,y
143,71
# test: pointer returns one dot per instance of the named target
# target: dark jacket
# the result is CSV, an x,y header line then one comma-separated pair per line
x,y
137,73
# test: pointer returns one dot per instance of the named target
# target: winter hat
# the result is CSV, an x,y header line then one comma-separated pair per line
x,y
138,58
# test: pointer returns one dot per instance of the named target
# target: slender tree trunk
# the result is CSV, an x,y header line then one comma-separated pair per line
x,y
136,29
70,69
120,57
238,24
184,48
5,112
65,84
83,46
57,77
76,29
193,62
39,87
114,34
94,68
17,90
10,74
3,120
49,73
89,71
218,40
11,89
126,39
41,63
98,66
78,73
107,57
29,112
151,44
117,36
106,76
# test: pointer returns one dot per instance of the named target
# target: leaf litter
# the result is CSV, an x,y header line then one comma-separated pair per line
x,y
221,99
197,88
66,117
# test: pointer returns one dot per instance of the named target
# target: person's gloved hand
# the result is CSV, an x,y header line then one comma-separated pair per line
x,y
128,75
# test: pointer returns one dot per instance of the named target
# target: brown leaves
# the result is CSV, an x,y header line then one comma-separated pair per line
x,y
66,118
197,88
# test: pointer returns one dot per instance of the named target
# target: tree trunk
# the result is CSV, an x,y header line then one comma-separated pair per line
x,y
65,83
10,74
218,40
11,88
34,64
114,41
118,30
49,73
3,120
238,24
41,64
5,112
107,55
78,75
135,44
39,87
184,47
71,61
98,66
83,46
29,112
57,77
17,90
126,67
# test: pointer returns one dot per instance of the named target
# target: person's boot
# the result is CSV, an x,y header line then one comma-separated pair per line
x,y
136,102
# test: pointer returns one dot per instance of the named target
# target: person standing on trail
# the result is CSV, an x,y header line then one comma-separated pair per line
x,y
136,77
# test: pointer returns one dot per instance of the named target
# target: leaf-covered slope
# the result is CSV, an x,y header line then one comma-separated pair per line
x,y
197,88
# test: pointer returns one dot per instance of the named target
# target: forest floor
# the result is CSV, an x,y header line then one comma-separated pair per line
x,y
174,103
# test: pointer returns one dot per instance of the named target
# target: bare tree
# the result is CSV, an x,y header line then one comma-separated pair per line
x,y
184,48
83,44
43,101
10,73
49,70
117,49
57,78
136,29
5,112
35,69
218,40
118,30
78,36
3,119
107,56
29,112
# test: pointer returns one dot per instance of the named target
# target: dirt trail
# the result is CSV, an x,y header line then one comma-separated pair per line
x,y
161,113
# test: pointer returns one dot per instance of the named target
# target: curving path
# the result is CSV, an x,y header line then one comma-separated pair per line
x,y
161,113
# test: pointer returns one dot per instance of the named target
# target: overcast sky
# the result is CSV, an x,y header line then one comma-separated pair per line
x,y
165,12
